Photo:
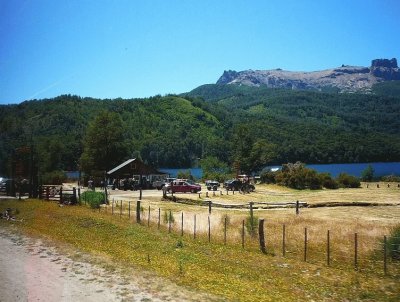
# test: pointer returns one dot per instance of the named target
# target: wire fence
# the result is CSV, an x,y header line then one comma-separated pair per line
x,y
310,244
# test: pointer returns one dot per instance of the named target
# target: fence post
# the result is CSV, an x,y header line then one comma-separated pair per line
x,y
328,249
138,211
355,251
305,244
61,193
112,207
261,235
129,209
385,255
243,233
284,240
297,207
209,206
120,210
47,193
79,195
182,224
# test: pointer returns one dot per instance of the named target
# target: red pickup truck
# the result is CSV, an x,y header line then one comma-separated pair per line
x,y
182,185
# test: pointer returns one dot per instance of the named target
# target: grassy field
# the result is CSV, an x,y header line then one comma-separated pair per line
x,y
228,270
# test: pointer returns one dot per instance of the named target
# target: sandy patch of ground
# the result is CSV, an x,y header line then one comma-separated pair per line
x,y
32,270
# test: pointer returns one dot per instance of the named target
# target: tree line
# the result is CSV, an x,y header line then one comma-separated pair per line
x,y
239,128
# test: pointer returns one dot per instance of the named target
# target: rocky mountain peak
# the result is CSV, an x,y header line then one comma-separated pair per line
x,y
343,79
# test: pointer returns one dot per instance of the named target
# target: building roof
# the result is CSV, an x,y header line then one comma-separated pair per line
x,y
133,166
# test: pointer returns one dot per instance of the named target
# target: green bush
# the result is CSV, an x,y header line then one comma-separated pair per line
x,y
252,225
94,199
348,181
268,177
297,176
328,182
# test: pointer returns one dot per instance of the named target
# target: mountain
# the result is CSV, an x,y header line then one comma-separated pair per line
x,y
342,79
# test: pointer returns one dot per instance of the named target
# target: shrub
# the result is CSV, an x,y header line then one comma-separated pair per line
x,y
268,177
168,217
94,199
348,181
297,176
368,173
327,181
252,225
391,178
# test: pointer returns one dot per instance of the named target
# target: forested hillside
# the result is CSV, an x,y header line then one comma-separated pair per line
x,y
246,127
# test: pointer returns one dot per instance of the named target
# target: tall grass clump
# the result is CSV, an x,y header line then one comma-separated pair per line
x,y
393,244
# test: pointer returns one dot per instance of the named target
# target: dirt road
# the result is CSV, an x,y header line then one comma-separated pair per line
x,y
31,270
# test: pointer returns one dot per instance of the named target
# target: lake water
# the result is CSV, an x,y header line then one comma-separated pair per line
x,y
381,169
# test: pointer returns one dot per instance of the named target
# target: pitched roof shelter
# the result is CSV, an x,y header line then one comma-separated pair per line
x,y
133,166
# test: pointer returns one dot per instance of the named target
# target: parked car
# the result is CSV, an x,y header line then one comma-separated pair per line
x,y
233,185
182,185
237,185
161,184
212,185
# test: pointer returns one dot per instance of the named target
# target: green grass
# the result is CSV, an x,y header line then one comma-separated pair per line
x,y
227,271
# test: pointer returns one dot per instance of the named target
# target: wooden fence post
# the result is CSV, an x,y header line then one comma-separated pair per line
x,y
182,224
129,209
261,235
47,193
297,207
305,244
138,211
61,195
79,195
209,206
120,210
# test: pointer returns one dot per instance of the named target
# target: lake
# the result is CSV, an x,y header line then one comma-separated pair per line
x,y
381,169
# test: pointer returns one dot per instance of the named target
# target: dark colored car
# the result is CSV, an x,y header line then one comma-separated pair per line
x,y
180,185
233,185
237,185
212,185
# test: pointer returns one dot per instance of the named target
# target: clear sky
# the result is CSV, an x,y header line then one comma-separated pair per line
x,y
132,48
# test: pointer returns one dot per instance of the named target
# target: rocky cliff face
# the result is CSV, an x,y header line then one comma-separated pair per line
x,y
344,79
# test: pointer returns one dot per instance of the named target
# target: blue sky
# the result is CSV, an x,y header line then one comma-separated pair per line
x,y
128,49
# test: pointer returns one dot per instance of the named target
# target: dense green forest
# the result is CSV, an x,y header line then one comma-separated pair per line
x,y
244,127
